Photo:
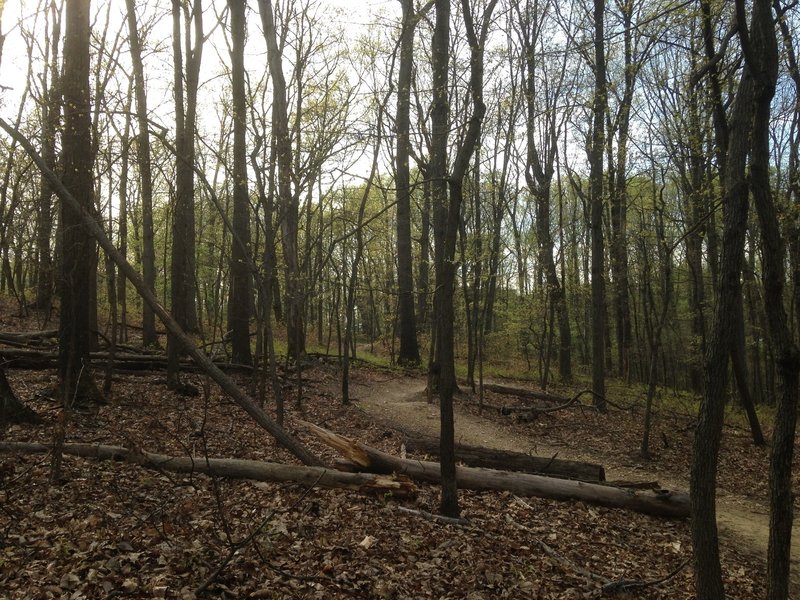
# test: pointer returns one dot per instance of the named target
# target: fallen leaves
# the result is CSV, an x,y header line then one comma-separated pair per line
x,y
118,530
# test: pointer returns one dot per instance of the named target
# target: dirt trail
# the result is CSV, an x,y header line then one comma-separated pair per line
x,y
402,402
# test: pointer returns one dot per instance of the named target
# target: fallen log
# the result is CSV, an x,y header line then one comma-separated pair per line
x,y
490,458
27,338
23,358
661,503
523,393
232,468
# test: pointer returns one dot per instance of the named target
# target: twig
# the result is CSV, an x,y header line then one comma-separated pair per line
x,y
236,546
458,522
630,584
609,585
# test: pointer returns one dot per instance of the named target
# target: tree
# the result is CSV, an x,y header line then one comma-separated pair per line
x,y
596,146
240,299
288,203
448,212
51,117
540,170
149,337
752,85
409,348
77,245
182,267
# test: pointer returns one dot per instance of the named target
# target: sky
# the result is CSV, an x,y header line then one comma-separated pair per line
x,y
352,15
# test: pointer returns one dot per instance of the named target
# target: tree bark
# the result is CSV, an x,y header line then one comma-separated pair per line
x,y
409,348
599,107
11,409
763,52
232,468
662,503
149,335
288,205
240,300
708,573
51,116
491,458
443,371
78,247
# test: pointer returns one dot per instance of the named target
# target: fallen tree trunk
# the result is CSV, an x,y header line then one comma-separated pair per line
x,y
37,359
661,503
27,338
523,393
204,362
233,468
477,456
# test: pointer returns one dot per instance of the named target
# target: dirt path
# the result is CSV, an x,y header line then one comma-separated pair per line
x,y
402,402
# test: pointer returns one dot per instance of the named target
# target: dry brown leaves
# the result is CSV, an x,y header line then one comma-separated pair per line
x,y
117,530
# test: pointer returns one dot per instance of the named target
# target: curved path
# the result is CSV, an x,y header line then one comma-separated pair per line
x,y
401,401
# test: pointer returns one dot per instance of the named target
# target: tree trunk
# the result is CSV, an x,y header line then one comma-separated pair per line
x,y
708,574
288,205
78,247
51,116
443,371
599,107
233,468
149,335
491,458
240,300
409,348
764,54
662,503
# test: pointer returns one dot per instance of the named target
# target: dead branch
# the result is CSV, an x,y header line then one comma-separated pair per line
x,y
232,468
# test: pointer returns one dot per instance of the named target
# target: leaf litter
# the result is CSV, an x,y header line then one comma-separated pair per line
x,y
117,530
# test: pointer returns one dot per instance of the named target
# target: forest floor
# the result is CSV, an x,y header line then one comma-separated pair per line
x,y
117,530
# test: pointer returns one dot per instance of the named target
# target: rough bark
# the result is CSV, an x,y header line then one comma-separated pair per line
x,y
763,52
443,371
233,468
78,247
708,573
240,300
662,503
51,116
149,335
407,325
491,458
597,144
288,204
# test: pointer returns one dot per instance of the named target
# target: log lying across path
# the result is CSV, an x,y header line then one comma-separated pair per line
x,y
233,468
661,503
477,456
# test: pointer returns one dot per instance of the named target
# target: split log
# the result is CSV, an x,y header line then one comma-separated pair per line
x,y
232,468
661,503
477,456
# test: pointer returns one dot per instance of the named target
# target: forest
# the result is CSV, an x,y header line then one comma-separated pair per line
x,y
485,233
